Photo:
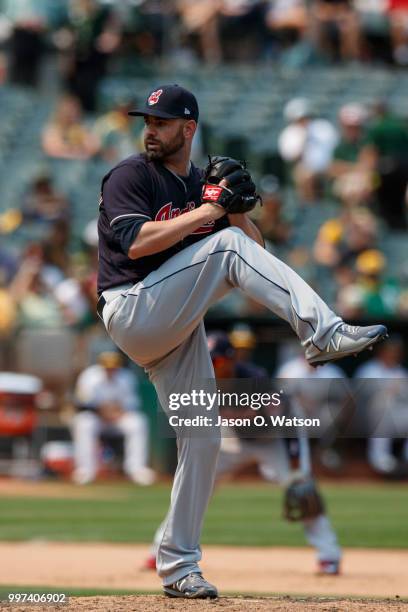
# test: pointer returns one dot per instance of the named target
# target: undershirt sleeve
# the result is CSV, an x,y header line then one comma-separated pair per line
x,y
127,194
126,230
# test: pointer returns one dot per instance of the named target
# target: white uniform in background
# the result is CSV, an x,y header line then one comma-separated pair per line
x,y
385,401
94,389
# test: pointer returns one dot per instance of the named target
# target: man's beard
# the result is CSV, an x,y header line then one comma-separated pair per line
x,y
163,151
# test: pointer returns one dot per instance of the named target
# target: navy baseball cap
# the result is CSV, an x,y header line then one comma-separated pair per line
x,y
169,102
219,345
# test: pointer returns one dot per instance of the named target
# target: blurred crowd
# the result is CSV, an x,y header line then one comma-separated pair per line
x,y
46,283
86,33
360,165
89,38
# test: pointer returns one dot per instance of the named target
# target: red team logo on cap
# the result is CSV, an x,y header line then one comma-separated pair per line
x,y
154,97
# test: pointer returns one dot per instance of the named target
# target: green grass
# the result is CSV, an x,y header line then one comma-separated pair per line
x,y
245,514
72,591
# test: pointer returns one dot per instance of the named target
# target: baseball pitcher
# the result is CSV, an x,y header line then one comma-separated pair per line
x,y
173,239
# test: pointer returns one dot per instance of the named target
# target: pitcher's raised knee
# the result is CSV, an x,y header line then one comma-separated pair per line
x,y
229,236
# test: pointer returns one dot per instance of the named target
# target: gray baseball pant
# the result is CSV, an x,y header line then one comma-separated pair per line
x,y
158,323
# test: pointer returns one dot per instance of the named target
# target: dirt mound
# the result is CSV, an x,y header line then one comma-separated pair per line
x,y
156,603
235,571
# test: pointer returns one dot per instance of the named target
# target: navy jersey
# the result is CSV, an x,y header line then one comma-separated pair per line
x,y
133,192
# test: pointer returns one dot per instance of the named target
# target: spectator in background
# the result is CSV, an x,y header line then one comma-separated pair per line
x,y
352,182
371,293
243,341
338,244
118,134
288,23
146,27
27,41
336,29
243,21
107,399
385,155
66,136
56,244
275,230
199,26
73,301
398,16
46,291
307,143
352,119
340,240
8,314
8,264
66,278
43,203
94,34
37,307
386,402
375,35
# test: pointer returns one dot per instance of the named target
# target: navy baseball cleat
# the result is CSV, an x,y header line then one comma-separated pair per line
x,y
347,340
192,586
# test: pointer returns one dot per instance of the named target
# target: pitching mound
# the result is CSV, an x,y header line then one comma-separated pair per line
x,y
155,603
235,570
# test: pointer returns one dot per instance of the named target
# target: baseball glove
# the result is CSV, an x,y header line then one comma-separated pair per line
x,y
302,500
239,195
